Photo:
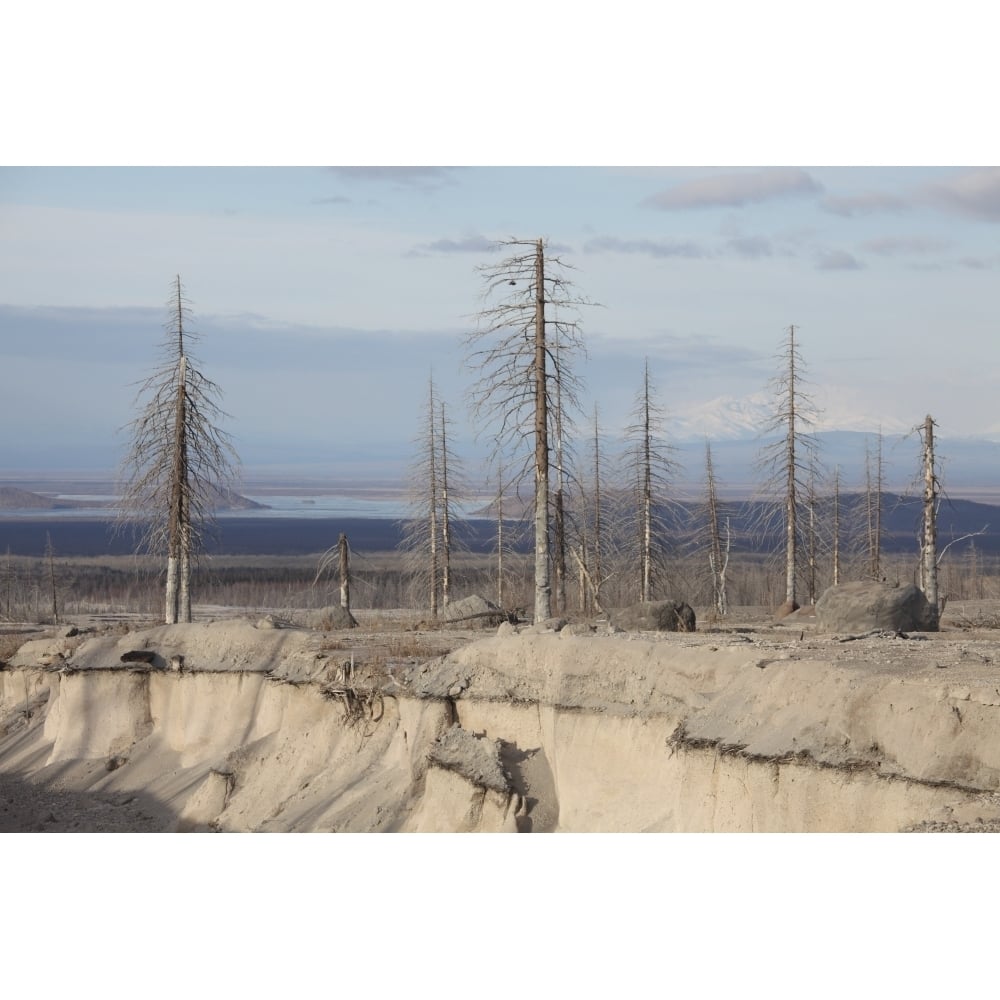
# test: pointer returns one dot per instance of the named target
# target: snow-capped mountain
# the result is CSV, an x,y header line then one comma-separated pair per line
x,y
730,418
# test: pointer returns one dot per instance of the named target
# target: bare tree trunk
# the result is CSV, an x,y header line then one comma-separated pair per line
x,y
879,488
836,526
543,588
432,505
723,596
170,612
178,489
874,486
445,521
344,561
790,460
646,498
436,485
585,575
870,513
184,575
928,560
812,541
8,579
718,558
559,512
652,469
597,573
50,558
500,541
647,515
791,501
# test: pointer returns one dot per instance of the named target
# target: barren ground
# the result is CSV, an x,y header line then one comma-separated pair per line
x,y
401,641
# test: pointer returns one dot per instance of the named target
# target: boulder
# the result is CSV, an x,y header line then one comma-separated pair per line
x,y
867,605
473,612
655,616
329,618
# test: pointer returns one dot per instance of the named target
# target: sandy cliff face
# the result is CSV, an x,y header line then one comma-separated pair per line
x,y
259,730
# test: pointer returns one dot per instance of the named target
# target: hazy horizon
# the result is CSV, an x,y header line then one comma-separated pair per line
x,y
326,297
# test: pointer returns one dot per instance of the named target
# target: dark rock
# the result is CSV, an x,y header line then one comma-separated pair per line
x,y
867,605
138,656
655,616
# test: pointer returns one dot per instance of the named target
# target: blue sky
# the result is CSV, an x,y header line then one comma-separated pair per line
x,y
326,295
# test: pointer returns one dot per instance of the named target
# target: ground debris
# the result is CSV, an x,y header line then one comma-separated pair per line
x,y
475,758
879,633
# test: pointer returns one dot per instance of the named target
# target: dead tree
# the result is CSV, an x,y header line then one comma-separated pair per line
x,y
526,339
874,504
50,558
718,546
597,526
788,463
559,497
338,555
650,466
836,526
591,551
179,461
344,568
586,519
928,541
436,485
9,577
812,538
446,539
501,541
420,538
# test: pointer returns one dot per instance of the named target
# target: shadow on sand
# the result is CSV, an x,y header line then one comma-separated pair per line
x,y
26,807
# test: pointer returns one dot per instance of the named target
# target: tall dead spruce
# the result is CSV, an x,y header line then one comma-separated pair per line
x,y
436,486
874,502
523,349
179,461
650,467
713,514
790,464
928,539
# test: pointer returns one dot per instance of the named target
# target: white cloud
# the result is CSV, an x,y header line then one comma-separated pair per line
x,y
651,248
889,246
736,189
870,203
975,193
469,244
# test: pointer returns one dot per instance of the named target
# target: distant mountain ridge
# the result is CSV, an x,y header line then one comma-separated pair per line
x,y
12,498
